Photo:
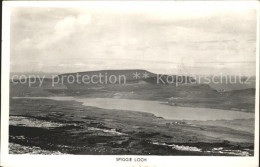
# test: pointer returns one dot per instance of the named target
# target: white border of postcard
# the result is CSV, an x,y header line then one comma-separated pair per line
x,y
110,160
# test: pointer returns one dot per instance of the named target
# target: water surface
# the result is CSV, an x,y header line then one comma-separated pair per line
x,y
157,108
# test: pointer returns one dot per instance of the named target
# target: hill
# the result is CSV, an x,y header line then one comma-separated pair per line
x,y
125,76
184,93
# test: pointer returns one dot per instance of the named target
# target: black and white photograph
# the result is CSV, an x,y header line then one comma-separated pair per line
x,y
131,80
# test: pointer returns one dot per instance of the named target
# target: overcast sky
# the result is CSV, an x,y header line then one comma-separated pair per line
x,y
162,39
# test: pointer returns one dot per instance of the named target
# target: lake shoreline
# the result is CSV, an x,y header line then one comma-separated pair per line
x,y
158,108
73,128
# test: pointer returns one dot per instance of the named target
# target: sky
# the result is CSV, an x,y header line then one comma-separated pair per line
x,y
169,39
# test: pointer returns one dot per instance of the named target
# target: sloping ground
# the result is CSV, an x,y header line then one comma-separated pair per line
x,y
189,95
182,93
71,128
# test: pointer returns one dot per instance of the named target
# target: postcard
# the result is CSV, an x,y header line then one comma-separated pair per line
x,y
130,83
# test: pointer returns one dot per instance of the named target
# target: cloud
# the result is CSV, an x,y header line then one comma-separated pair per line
x,y
67,40
65,28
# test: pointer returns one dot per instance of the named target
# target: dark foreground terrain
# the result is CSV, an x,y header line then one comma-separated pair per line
x,y
57,127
